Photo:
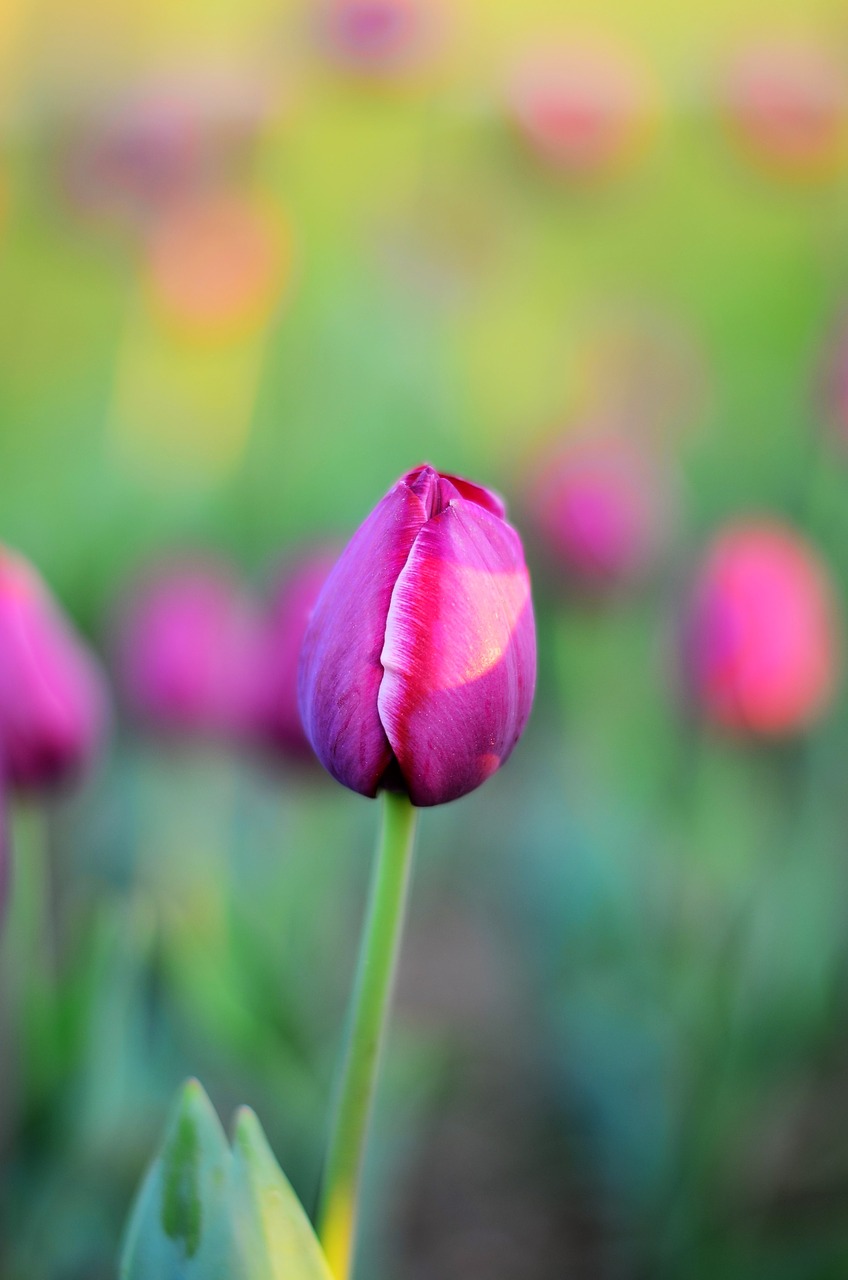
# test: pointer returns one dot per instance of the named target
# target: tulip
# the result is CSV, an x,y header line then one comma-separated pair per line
x,y
584,110
419,662
53,704
786,107
760,646
185,643
275,720
601,512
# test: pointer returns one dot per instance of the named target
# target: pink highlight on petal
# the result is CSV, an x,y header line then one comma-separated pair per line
x,y
459,654
760,645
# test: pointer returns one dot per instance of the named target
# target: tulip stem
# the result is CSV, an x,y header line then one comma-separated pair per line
x,y
367,1018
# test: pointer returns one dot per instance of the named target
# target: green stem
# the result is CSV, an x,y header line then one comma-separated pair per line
x,y
366,1026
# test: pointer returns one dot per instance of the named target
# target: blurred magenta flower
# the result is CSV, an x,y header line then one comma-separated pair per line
x,y
276,721
585,109
53,701
760,638
419,663
602,511
786,103
380,37
185,644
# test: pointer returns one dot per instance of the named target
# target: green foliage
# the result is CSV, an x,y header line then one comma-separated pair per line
x,y
209,1211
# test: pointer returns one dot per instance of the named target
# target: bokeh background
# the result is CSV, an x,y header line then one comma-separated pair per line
x,y
253,266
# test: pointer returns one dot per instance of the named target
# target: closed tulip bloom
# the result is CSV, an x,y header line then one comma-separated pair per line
x,y
185,646
276,719
601,512
418,667
760,646
53,704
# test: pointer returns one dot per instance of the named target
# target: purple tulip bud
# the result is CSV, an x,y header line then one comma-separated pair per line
x,y
419,663
53,704
185,644
276,717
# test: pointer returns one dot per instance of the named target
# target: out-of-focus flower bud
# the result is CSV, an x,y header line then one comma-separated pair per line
x,y
211,1211
276,722
217,264
585,110
382,38
787,108
759,637
53,701
186,637
419,663
602,512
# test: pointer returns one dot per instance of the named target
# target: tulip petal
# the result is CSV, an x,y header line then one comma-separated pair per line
x,y
340,671
459,654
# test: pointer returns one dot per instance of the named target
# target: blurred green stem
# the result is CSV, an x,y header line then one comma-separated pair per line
x,y
366,1027
30,941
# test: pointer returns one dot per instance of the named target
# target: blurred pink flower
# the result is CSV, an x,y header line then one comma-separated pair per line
x,y
380,37
275,721
186,638
760,648
785,102
602,511
53,700
584,109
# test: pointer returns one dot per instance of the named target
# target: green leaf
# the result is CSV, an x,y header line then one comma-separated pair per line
x,y
209,1212
265,1203
180,1224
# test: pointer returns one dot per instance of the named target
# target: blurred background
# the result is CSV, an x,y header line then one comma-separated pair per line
x,y
256,260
